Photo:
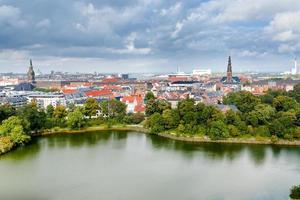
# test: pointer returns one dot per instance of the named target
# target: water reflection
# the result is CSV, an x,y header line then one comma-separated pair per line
x,y
140,166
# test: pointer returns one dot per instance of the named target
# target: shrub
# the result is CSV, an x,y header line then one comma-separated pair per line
x,y
295,192
218,130
274,139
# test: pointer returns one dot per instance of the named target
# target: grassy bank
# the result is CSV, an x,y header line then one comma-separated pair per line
x,y
250,140
7,145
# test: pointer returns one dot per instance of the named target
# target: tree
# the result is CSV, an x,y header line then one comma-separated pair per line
x,y
6,111
186,105
218,130
156,106
134,118
75,119
149,96
35,116
90,107
284,103
295,93
171,118
60,112
14,128
295,192
49,111
245,101
156,123
113,109
59,115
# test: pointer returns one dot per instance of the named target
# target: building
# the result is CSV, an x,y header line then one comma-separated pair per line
x,y
229,79
45,99
31,74
201,72
52,84
134,103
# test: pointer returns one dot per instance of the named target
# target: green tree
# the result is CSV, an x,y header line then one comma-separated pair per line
x,y
35,116
149,96
14,128
113,109
171,118
295,93
90,107
218,130
284,103
156,123
295,192
6,111
59,115
75,119
245,101
49,111
134,118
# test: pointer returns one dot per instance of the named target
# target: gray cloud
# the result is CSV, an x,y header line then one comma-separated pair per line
x,y
156,35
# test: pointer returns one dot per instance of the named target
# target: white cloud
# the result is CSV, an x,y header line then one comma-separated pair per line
x,y
104,20
173,10
45,23
178,28
11,15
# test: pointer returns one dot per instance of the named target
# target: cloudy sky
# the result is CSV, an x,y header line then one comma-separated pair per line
x,y
148,35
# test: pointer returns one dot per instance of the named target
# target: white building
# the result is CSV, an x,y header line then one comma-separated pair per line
x,y
43,100
201,72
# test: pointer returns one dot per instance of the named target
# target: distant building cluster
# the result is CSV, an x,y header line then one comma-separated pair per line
x,y
67,89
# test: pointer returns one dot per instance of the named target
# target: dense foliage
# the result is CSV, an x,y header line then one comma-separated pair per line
x,y
295,192
275,114
18,124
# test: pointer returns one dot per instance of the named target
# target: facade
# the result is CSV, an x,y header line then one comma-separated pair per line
x,y
43,100
52,84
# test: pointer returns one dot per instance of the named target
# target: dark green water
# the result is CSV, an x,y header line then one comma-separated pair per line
x,y
134,166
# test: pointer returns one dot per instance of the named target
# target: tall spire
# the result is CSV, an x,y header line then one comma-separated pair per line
x,y
229,71
30,73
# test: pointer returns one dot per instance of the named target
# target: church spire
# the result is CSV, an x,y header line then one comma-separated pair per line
x,y
229,71
31,74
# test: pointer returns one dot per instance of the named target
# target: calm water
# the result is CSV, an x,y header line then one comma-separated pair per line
x,y
133,166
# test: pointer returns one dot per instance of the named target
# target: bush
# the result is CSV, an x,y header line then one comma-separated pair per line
x,y
233,131
263,131
288,136
295,192
218,130
274,139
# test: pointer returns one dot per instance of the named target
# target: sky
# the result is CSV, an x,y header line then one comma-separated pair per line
x,y
146,36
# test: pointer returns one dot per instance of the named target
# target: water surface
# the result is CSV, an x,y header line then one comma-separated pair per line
x,y
135,166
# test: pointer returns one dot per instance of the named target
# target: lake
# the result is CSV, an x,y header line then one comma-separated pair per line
x,y
112,165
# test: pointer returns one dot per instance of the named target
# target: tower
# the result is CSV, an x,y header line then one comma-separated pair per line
x,y
229,71
31,74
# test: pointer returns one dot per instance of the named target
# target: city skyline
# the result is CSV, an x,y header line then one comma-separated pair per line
x,y
149,36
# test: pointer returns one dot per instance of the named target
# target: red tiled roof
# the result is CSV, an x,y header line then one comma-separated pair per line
x,y
110,80
96,93
138,98
139,108
69,91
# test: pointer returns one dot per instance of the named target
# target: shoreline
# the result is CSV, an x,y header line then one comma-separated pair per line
x,y
138,128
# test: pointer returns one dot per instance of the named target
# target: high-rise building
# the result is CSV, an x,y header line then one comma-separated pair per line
x,y
31,74
295,68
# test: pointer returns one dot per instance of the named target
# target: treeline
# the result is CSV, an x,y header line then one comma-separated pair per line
x,y
275,114
18,124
